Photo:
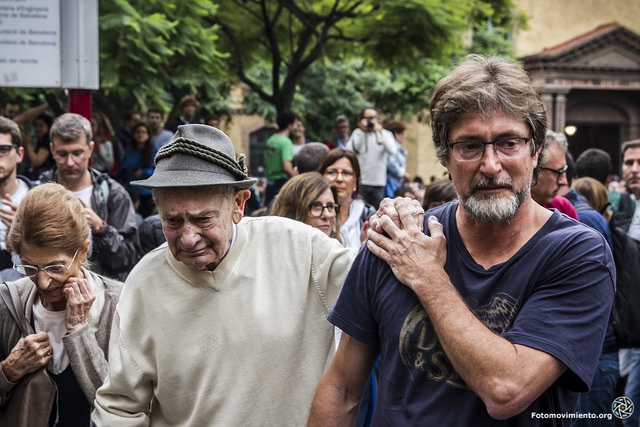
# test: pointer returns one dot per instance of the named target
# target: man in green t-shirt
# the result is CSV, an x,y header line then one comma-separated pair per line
x,y
279,155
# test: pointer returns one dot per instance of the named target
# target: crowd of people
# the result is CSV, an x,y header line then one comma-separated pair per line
x,y
163,285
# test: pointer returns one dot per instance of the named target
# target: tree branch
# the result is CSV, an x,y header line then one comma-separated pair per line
x,y
269,28
239,60
242,5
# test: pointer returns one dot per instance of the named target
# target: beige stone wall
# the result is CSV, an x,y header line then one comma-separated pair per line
x,y
552,22
421,160
239,130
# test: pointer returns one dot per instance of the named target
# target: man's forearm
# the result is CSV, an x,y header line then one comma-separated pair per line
x,y
505,376
330,407
30,114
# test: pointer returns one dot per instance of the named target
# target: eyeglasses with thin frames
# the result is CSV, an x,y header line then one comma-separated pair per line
x,y
54,271
557,172
505,148
6,149
316,209
333,173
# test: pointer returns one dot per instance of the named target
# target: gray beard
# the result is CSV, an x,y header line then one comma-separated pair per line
x,y
494,208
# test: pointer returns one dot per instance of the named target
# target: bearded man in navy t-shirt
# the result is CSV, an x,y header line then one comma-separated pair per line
x,y
495,314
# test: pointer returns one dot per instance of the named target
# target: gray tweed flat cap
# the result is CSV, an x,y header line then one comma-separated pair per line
x,y
198,155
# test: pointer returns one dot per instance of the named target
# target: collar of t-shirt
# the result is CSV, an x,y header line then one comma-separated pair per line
x,y
85,195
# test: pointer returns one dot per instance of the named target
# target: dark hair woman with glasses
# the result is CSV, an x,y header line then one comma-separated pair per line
x,y
69,308
308,198
341,169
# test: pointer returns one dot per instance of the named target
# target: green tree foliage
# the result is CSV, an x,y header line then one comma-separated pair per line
x,y
286,37
154,52
331,57
318,57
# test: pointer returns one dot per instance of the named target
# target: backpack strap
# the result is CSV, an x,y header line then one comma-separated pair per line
x,y
367,212
621,219
104,185
580,206
11,298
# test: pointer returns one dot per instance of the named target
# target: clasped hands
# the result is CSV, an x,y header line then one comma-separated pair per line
x,y
396,236
34,351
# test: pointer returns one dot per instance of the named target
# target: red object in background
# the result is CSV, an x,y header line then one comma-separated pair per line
x,y
80,102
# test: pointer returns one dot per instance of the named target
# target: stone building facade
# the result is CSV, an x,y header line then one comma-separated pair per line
x,y
584,59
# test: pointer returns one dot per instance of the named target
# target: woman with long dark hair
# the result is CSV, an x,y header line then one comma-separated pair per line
x,y
39,156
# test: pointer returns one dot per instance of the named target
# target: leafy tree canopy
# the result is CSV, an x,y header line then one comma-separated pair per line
x,y
361,74
318,57
287,36
152,52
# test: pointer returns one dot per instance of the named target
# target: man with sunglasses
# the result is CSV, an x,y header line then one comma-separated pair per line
x,y
108,207
553,176
495,314
13,188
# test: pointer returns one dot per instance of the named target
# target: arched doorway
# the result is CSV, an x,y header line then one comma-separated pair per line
x,y
257,141
601,120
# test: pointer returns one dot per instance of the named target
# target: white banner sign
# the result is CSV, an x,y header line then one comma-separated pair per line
x,y
30,43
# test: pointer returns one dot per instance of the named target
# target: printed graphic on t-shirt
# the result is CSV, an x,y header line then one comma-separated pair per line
x,y
420,349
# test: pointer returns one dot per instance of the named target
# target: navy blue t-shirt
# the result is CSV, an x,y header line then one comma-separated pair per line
x,y
554,294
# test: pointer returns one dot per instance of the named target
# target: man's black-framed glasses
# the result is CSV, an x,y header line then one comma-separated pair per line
x,y
505,148
6,149
557,172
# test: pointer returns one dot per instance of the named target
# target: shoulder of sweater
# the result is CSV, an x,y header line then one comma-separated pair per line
x,y
273,229
271,223
154,257
25,286
112,286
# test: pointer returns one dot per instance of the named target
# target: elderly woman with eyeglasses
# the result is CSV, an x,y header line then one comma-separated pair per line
x,y
308,198
69,307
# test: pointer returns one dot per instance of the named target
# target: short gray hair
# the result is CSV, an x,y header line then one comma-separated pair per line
x,y
340,119
558,138
70,127
552,138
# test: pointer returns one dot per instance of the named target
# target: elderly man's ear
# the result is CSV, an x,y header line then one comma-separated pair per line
x,y
239,199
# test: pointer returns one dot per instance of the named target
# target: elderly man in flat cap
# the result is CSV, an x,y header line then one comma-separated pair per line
x,y
224,324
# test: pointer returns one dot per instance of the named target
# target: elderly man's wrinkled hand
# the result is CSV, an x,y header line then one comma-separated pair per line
x,y
389,207
411,254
